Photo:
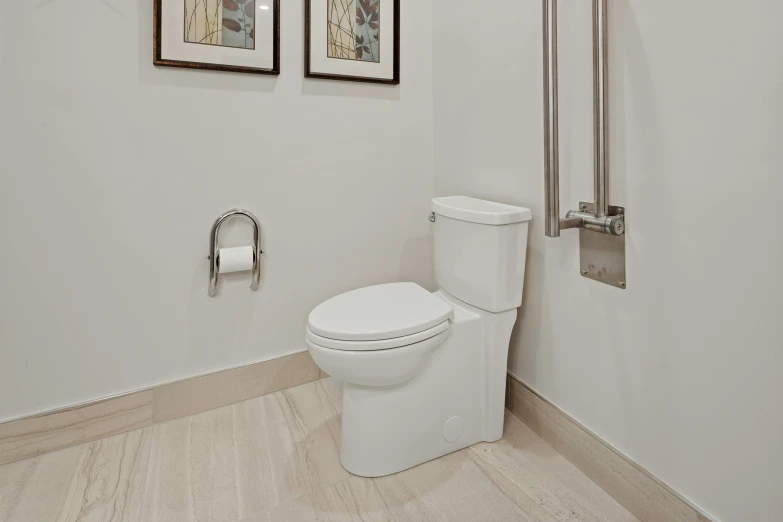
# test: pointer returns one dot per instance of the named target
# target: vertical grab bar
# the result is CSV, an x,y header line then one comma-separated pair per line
x,y
602,227
599,219
551,131
600,105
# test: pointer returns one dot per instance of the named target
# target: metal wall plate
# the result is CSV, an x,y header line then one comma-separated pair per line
x,y
602,256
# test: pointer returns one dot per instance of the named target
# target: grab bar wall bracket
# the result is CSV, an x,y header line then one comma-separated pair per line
x,y
601,226
602,254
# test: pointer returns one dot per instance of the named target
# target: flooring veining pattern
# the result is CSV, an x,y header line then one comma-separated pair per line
x,y
276,459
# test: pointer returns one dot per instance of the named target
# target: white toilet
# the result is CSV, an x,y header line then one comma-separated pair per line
x,y
424,374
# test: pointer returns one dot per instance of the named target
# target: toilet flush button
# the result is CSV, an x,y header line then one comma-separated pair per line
x,y
453,430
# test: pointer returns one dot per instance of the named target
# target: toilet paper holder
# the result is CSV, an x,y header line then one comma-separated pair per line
x,y
213,249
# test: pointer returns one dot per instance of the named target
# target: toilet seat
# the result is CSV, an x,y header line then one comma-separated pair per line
x,y
385,344
378,318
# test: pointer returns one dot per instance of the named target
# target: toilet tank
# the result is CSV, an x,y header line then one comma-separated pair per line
x,y
480,249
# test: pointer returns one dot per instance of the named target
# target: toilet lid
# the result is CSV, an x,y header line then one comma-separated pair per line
x,y
378,313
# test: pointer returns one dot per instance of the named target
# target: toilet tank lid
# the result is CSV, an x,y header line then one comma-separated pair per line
x,y
480,211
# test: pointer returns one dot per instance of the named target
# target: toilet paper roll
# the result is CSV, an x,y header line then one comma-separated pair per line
x,y
235,259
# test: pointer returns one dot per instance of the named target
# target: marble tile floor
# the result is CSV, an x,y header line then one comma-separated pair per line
x,y
276,459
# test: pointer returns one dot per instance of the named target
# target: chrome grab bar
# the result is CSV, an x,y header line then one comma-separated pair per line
x,y
600,108
598,220
213,249
551,121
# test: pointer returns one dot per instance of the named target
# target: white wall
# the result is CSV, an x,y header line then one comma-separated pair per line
x,y
112,172
683,372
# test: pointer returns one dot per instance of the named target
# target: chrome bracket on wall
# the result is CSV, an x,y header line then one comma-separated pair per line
x,y
601,255
602,226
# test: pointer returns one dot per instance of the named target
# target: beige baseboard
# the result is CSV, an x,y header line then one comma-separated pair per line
x,y
633,486
32,436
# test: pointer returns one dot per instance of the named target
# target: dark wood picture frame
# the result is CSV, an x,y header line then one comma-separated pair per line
x,y
395,80
158,60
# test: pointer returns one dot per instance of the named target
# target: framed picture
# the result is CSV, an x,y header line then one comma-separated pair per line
x,y
219,35
354,40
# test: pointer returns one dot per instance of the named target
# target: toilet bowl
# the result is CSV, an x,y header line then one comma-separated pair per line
x,y
377,336
423,373
385,367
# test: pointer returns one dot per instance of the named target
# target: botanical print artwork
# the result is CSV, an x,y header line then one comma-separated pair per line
x,y
229,23
354,29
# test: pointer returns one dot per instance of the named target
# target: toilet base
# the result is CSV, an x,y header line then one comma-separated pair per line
x,y
379,445
455,401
